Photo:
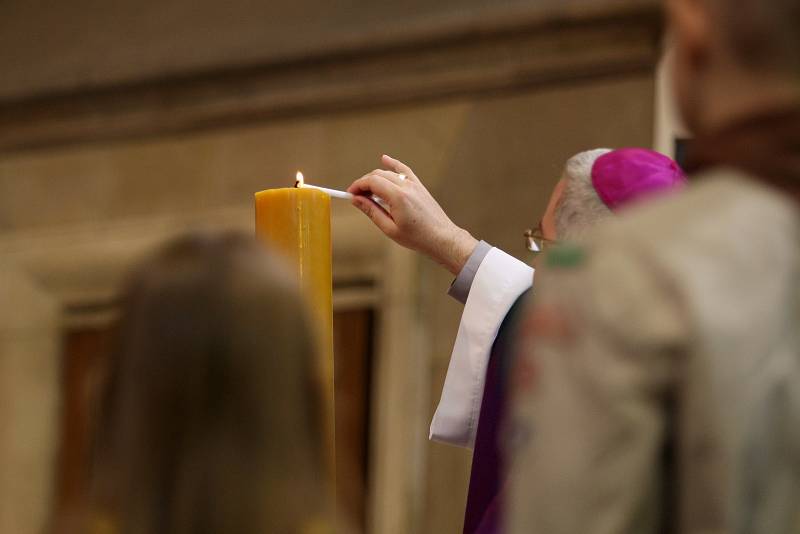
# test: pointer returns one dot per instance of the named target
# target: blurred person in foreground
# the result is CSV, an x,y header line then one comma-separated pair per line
x,y
208,422
593,186
658,390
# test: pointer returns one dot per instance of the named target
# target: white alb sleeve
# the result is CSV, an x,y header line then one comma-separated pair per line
x,y
499,281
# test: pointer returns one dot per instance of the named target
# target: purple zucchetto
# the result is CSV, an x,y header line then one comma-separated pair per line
x,y
627,175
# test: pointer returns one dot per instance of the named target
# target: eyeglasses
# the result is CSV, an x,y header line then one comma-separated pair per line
x,y
536,242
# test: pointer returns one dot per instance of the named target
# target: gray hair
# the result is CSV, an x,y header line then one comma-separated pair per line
x,y
580,207
762,34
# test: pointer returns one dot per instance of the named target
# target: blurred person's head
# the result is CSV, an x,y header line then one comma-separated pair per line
x,y
208,423
597,183
734,58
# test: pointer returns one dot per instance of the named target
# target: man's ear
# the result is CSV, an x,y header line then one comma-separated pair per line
x,y
692,25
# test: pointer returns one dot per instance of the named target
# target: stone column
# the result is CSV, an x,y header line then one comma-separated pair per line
x,y
29,399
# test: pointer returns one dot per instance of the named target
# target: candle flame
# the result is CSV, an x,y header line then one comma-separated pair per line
x,y
299,180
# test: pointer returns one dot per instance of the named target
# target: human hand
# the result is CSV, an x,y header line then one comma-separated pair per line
x,y
413,219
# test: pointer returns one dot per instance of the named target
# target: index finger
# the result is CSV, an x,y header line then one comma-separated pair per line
x,y
399,167
377,185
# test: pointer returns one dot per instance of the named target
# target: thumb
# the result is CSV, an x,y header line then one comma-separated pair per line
x,y
379,216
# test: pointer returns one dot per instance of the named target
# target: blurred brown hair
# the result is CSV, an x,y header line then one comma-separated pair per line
x,y
208,417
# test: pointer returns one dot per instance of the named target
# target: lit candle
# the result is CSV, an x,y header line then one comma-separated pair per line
x,y
300,183
297,222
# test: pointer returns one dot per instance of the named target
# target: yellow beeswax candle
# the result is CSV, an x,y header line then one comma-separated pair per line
x,y
297,223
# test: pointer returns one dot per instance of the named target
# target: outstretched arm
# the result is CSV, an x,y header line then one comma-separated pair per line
x,y
413,219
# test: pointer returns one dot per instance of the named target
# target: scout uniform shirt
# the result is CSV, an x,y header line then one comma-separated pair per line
x,y
657,388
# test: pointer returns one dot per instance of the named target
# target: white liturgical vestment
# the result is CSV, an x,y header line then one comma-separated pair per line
x,y
498,282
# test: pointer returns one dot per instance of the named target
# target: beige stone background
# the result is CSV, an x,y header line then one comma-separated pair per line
x,y
122,123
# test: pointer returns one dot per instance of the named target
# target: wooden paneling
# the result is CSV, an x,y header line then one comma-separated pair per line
x,y
353,345
85,352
